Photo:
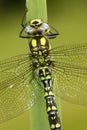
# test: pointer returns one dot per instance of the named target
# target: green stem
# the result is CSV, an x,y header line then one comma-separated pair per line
x,y
36,10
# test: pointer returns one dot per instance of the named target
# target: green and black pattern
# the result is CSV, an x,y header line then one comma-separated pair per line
x,y
44,71
39,46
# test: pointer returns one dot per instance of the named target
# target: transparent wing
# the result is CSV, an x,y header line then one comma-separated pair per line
x,y
70,72
19,90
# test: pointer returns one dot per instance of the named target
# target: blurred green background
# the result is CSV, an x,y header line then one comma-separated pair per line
x,y
70,18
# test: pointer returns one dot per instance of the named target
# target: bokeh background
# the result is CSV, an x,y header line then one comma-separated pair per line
x,y
70,18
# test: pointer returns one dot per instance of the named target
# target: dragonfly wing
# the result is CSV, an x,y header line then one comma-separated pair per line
x,y
75,54
18,88
70,73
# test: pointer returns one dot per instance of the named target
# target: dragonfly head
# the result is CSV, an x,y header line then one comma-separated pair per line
x,y
36,28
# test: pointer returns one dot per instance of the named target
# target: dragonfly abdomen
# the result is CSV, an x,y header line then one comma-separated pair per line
x,y
53,117
51,107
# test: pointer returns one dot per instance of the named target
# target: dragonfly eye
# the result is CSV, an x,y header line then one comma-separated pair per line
x,y
28,30
45,27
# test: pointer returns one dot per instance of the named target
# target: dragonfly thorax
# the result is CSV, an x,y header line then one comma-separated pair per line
x,y
39,45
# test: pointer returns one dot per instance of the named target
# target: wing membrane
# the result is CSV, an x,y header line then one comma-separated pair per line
x,y
75,54
70,72
18,88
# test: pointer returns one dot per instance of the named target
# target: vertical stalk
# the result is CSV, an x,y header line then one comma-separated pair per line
x,y
36,10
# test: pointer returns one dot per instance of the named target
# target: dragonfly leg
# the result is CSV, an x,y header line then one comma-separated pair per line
x,y
54,34
22,22
23,36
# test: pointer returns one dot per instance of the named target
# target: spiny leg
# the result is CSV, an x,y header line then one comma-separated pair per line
x,y
54,34
22,22
24,26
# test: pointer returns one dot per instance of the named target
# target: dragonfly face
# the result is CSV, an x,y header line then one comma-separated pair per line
x,y
37,28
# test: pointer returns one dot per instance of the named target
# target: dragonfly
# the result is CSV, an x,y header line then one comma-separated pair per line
x,y
43,73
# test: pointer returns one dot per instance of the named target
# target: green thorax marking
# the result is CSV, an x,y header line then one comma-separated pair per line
x,y
39,43
41,58
39,47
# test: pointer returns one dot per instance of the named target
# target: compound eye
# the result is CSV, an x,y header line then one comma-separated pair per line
x,y
28,29
45,27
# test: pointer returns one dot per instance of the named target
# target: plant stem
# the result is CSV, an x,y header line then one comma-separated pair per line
x,y
36,10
